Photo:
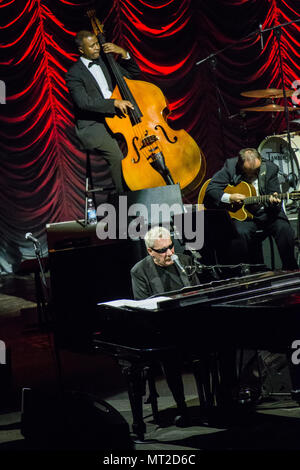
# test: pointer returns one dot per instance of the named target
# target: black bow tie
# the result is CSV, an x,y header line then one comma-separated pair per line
x,y
93,62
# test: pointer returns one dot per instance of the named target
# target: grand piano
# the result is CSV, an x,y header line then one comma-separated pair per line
x,y
253,311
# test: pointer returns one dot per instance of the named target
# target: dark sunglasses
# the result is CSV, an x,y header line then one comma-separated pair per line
x,y
164,250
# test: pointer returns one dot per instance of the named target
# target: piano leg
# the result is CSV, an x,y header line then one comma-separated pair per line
x,y
135,383
149,376
203,369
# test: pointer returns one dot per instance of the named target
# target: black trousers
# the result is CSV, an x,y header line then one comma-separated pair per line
x,y
97,137
172,369
280,229
111,152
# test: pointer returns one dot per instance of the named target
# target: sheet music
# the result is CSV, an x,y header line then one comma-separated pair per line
x,y
148,304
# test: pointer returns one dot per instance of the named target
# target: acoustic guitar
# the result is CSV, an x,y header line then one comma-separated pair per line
x,y
239,212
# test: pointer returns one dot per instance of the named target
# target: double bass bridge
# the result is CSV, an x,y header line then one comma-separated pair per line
x,y
155,157
148,140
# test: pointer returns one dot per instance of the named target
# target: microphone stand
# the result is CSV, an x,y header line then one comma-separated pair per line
x,y
213,62
44,299
195,255
220,100
42,285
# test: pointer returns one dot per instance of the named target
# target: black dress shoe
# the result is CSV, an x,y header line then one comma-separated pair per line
x,y
248,396
182,420
295,395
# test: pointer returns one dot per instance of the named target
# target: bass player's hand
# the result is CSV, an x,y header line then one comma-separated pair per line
x,y
123,105
109,47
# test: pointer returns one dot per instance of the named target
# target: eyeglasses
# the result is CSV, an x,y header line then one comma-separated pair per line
x,y
163,250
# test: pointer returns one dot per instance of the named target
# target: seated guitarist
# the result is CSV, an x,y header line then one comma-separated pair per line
x,y
270,217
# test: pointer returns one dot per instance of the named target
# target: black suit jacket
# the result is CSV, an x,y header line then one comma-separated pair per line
x,y
90,106
146,281
268,183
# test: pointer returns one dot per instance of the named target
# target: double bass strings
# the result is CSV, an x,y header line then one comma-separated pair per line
x,y
127,95
138,126
136,114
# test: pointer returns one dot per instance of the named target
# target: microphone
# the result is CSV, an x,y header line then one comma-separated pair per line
x,y
29,236
178,264
240,115
261,38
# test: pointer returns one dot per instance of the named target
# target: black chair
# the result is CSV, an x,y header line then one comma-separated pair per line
x,y
263,250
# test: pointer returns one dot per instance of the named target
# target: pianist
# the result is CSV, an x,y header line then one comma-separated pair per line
x,y
157,273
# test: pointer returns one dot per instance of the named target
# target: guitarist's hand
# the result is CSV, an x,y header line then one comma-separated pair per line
x,y
237,198
274,199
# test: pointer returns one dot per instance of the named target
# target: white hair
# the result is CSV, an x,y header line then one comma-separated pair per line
x,y
155,233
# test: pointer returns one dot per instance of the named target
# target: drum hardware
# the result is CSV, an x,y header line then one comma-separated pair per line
x,y
267,93
276,149
269,108
271,93
277,30
292,180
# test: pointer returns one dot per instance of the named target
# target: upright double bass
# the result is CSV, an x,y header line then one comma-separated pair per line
x,y
156,154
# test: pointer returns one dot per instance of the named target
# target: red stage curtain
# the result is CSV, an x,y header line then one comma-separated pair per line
x,y
42,170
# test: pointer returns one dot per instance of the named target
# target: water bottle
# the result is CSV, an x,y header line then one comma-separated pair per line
x,y
91,212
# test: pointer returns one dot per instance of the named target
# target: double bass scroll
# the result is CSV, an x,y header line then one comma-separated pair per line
x,y
156,154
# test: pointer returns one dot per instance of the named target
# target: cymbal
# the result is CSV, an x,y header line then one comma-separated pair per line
x,y
296,121
269,107
267,93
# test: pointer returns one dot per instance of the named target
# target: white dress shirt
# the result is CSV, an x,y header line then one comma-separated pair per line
x,y
99,76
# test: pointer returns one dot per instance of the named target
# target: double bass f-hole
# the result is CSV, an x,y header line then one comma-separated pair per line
x,y
136,150
158,126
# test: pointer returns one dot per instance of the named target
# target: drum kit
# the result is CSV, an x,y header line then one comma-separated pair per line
x,y
271,94
276,147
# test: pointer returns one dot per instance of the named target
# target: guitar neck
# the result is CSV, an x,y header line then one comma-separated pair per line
x,y
264,198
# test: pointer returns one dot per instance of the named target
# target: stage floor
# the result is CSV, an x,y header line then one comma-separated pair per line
x,y
273,425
